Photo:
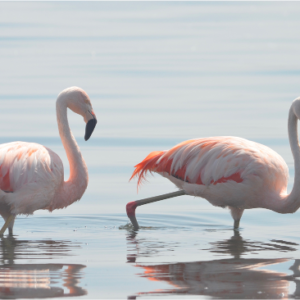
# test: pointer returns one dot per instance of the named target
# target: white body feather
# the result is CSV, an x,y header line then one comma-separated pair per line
x,y
32,173
227,171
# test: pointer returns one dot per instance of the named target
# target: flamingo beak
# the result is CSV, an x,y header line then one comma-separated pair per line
x,y
89,128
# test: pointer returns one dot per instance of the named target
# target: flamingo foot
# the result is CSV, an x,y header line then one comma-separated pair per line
x,y
130,209
6,224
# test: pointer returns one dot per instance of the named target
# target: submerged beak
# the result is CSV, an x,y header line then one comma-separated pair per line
x,y
89,128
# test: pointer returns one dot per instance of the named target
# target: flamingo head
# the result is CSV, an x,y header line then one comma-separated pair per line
x,y
79,102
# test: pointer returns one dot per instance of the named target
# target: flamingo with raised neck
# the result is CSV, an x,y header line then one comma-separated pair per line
x,y
32,175
228,172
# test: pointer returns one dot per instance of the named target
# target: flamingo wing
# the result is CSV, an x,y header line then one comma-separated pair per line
x,y
217,160
24,163
32,173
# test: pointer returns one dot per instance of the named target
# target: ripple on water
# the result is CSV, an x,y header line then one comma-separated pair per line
x,y
191,254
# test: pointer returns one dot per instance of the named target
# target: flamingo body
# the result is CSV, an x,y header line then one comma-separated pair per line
x,y
227,171
31,171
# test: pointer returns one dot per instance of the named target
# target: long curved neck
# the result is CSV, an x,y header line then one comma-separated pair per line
x,y
294,143
291,202
72,189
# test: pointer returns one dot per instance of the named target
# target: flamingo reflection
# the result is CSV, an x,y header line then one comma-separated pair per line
x,y
234,278
37,280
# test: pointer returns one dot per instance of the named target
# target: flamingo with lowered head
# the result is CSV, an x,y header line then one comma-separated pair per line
x,y
32,176
227,171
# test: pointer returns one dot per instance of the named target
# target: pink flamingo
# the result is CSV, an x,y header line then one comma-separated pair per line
x,y
227,171
32,176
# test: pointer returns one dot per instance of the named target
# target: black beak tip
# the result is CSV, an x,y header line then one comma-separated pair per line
x,y
90,126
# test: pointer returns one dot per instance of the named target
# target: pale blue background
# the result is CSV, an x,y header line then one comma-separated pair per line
x,y
157,73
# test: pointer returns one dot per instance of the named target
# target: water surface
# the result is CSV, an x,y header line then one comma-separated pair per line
x,y
173,255
157,73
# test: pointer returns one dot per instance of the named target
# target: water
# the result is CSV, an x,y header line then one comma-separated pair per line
x,y
157,73
178,254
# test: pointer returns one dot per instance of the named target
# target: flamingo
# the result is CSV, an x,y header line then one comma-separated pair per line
x,y
228,172
32,175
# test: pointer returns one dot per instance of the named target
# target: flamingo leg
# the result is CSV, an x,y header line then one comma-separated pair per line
x,y
236,214
10,226
236,224
6,224
131,206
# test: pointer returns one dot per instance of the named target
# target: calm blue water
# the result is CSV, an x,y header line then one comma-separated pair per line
x,y
157,73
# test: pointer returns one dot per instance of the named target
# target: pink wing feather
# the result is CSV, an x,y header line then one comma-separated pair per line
x,y
27,163
212,161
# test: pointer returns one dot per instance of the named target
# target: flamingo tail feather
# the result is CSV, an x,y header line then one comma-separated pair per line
x,y
147,165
